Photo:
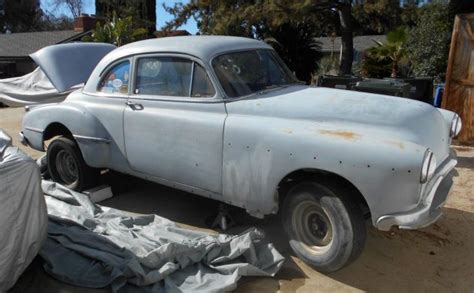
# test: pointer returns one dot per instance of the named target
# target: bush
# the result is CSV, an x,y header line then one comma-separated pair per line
x,y
374,67
429,40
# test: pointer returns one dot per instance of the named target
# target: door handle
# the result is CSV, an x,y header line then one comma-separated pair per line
x,y
134,106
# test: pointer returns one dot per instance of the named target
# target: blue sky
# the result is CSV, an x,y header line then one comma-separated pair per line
x,y
161,15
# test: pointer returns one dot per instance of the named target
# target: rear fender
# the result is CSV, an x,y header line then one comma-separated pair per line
x,y
92,138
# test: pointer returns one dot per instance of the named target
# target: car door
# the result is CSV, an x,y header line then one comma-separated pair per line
x,y
173,125
107,105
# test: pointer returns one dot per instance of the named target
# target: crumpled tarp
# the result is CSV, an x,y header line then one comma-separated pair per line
x,y
94,246
32,88
23,215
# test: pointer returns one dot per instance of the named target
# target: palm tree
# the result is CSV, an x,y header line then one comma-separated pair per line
x,y
394,49
295,43
118,31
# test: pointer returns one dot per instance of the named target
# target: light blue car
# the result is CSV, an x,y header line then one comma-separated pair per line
x,y
224,118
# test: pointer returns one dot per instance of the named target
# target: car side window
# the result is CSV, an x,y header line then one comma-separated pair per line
x,y
202,86
163,76
116,80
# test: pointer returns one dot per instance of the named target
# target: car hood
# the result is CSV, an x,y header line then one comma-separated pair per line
x,y
356,114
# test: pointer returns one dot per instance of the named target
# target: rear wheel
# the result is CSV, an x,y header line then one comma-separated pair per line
x,y
325,229
67,167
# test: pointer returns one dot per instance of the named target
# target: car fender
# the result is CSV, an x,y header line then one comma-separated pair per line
x,y
90,135
260,151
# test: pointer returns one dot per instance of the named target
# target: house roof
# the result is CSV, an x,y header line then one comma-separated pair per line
x,y
361,43
21,45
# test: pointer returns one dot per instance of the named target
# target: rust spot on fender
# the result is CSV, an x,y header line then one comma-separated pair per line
x,y
348,135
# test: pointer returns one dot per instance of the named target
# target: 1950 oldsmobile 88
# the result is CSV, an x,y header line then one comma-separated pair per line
x,y
224,118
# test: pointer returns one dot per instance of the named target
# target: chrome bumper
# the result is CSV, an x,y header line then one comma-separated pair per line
x,y
428,210
23,139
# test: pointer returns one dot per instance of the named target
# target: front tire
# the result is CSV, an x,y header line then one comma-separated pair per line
x,y
66,165
325,229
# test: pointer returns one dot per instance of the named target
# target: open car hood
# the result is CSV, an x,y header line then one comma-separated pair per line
x,y
67,65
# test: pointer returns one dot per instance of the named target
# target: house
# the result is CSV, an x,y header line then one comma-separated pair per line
x,y
15,48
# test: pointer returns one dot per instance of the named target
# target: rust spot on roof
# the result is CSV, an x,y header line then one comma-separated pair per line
x,y
397,144
349,135
287,130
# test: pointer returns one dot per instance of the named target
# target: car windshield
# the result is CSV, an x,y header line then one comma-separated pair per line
x,y
247,72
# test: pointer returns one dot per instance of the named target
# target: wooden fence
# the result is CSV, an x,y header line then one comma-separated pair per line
x,y
459,90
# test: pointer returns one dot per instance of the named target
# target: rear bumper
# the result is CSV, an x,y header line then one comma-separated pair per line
x,y
428,211
23,139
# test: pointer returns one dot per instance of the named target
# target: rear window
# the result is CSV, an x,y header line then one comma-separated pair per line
x,y
116,80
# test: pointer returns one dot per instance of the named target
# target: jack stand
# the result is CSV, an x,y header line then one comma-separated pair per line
x,y
223,219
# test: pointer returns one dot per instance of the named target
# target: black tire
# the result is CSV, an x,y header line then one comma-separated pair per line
x,y
66,165
42,164
324,228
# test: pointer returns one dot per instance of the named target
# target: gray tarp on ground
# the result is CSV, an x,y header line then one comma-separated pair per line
x,y
23,214
32,88
94,246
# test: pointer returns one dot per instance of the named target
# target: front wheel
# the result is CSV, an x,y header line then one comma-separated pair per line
x,y
325,229
67,167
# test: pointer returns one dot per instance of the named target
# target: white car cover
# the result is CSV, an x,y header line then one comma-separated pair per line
x,y
23,214
62,69
32,88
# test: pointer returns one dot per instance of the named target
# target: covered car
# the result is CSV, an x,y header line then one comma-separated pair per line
x,y
23,214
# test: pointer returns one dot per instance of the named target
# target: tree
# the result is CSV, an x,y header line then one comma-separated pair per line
x,y
49,22
20,16
142,11
74,6
394,49
375,67
428,42
117,31
374,17
293,24
460,6
294,42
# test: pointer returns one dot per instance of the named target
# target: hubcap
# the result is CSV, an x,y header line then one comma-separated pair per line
x,y
67,167
312,227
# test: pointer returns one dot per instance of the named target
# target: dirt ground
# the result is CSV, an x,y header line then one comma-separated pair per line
x,y
439,258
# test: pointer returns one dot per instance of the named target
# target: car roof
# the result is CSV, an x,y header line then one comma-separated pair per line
x,y
203,47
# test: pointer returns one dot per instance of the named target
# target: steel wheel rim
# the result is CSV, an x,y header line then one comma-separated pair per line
x,y
66,167
312,227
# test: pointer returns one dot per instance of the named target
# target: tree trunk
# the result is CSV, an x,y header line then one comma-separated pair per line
x,y
345,16
151,16
394,69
